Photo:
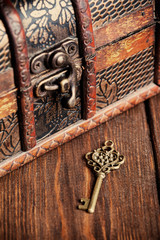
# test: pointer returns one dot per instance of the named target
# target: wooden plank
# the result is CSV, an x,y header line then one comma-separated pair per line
x,y
111,54
78,128
157,54
8,103
157,9
123,26
154,121
39,201
7,81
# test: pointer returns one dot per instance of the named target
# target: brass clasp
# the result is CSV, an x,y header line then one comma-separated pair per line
x,y
57,68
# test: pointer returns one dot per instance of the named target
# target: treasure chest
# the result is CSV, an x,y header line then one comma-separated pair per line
x,y
70,72
67,66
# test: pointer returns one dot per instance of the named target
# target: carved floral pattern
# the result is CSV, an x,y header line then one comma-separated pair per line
x,y
43,19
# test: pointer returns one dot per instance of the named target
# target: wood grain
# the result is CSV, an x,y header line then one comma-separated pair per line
x,y
157,9
123,26
157,54
111,54
79,128
7,81
154,121
39,201
8,103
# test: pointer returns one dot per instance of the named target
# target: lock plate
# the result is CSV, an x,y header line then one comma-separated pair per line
x,y
57,69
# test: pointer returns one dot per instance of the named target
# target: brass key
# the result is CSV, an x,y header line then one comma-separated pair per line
x,y
102,161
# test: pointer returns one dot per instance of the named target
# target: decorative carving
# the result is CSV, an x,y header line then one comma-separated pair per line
x,y
86,38
20,62
45,20
106,90
125,77
9,136
81,127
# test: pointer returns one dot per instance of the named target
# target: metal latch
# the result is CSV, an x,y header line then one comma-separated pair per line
x,y
57,68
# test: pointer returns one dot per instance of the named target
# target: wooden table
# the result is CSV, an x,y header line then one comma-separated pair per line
x,y
39,200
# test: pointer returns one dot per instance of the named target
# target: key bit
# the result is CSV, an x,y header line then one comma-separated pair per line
x,y
102,161
84,205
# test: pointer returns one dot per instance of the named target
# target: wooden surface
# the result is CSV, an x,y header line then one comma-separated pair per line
x,y
82,126
153,108
39,201
111,54
123,26
8,103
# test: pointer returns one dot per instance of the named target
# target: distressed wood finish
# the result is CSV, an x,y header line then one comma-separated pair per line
x,y
20,61
111,54
123,26
79,128
157,9
8,103
87,50
7,81
39,201
154,117
157,55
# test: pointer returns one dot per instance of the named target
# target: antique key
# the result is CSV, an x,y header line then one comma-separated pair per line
x,y
102,161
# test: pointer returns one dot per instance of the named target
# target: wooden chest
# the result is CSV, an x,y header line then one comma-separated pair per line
x,y
66,68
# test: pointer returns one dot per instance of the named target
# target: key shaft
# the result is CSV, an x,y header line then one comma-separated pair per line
x,y
95,193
